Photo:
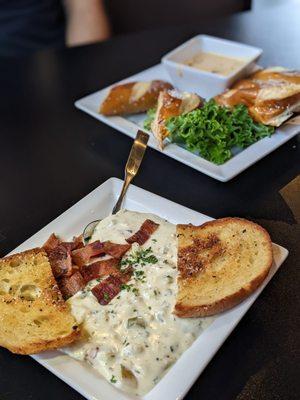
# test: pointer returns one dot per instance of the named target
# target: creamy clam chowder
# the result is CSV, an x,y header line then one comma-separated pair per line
x,y
133,340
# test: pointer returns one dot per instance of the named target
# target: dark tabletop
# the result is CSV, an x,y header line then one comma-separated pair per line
x,y
51,155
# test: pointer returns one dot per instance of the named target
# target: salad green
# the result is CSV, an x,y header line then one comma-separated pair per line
x,y
150,117
213,131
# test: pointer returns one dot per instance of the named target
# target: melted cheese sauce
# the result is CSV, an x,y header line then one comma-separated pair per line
x,y
134,339
215,63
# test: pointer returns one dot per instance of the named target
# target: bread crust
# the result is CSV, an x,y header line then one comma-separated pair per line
x,y
171,104
222,305
46,345
167,106
203,310
51,300
35,250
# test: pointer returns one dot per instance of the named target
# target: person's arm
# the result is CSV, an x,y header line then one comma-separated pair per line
x,y
86,22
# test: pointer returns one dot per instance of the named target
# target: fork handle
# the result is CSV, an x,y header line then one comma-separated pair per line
x,y
132,166
117,207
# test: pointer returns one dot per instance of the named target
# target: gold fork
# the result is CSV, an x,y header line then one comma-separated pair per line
x,y
132,166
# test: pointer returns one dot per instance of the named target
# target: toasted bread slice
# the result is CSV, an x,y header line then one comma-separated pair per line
x,y
220,263
172,103
33,314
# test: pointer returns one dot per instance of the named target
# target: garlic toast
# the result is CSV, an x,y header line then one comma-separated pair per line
x,y
33,314
220,263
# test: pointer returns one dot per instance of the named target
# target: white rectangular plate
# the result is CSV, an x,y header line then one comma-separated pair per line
x,y
129,125
179,379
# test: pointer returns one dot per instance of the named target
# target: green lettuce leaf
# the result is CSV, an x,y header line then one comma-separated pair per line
x,y
149,119
213,130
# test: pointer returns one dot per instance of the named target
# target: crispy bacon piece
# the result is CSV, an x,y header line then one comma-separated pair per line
x,y
106,290
71,285
59,254
143,234
82,256
77,243
99,269
60,261
116,250
52,242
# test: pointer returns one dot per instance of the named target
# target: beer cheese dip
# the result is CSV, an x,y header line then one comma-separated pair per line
x,y
133,340
215,63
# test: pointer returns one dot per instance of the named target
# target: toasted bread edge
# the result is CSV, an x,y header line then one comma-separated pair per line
x,y
230,301
43,345
35,250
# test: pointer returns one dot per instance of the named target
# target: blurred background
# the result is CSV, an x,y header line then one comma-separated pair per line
x,y
30,25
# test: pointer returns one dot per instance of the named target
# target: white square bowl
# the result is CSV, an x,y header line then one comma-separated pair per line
x,y
175,384
207,84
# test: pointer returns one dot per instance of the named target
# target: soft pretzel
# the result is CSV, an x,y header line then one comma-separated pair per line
x,y
132,97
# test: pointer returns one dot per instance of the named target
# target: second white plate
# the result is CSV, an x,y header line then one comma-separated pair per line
x,y
129,125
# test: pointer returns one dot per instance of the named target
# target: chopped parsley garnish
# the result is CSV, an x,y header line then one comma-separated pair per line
x,y
135,291
139,275
106,296
151,259
126,287
137,259
140,257
130,288
113,379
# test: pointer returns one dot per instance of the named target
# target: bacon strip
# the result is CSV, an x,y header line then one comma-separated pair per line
x,y
52,242
99,269
106,290
116,250
77,243
82,256
60,261
59,254
71,285
144,233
